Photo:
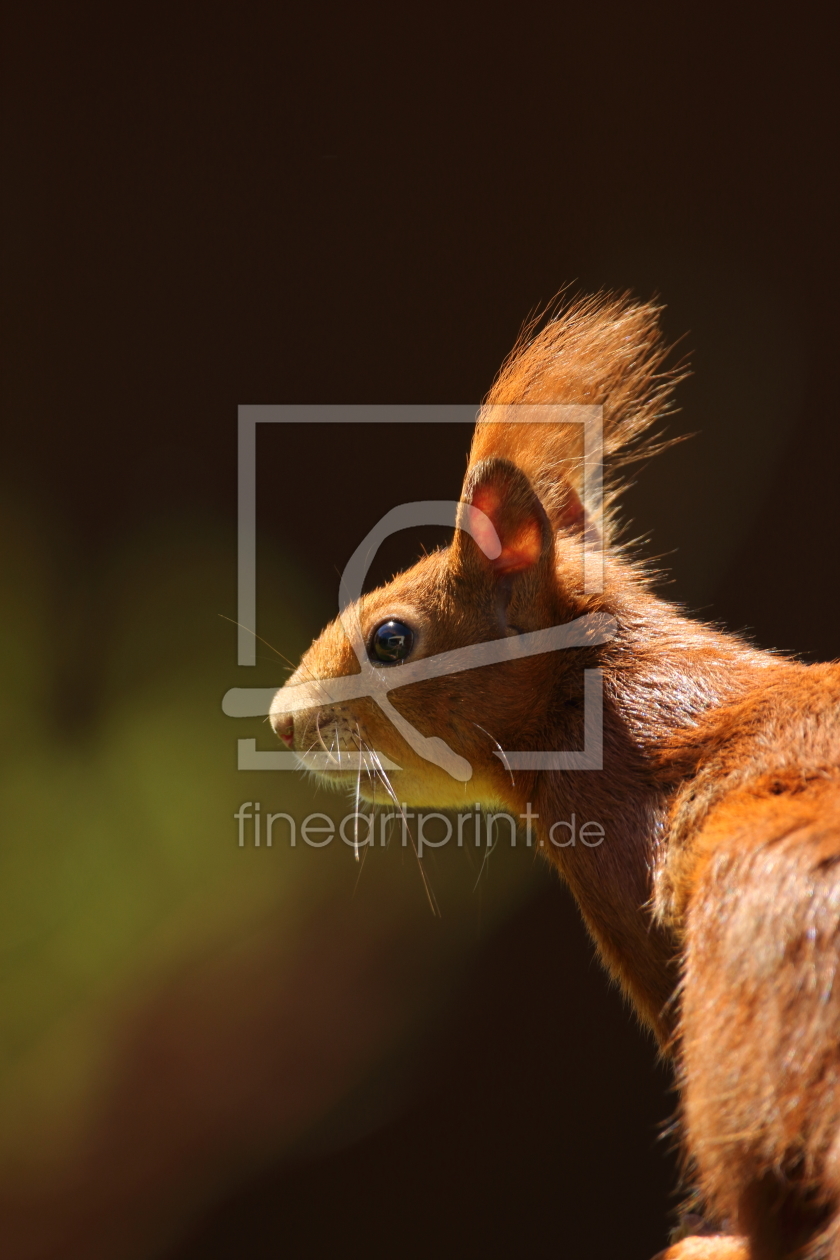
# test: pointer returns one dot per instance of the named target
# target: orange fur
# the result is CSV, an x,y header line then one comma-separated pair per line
x,y
711,1248
715,897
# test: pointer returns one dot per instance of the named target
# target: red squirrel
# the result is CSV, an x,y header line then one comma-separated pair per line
x,y
714,899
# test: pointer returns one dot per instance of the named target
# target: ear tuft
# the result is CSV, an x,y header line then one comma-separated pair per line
x,y
605,351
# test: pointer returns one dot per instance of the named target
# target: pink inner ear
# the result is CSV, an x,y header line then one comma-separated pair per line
x,y
520,547
484,533
522,551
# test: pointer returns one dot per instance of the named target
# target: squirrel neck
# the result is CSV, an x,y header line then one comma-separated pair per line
x,y
666,679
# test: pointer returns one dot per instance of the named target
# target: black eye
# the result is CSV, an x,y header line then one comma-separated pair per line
x,y
391,642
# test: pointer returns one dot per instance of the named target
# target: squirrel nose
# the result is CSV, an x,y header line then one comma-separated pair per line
x,y
284,725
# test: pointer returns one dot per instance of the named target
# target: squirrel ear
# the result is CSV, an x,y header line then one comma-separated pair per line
x,y
504,516
569,513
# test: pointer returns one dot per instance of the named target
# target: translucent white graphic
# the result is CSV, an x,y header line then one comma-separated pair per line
x,y
376,682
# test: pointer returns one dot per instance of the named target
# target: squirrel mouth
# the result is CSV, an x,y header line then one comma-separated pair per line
x,y
335,749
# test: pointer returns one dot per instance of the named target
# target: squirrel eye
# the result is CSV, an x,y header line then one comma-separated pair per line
x,y
391,642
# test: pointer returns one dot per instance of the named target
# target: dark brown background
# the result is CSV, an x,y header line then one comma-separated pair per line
x,y
207,207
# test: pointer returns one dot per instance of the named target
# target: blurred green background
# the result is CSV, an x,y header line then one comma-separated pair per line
x,y
175,1010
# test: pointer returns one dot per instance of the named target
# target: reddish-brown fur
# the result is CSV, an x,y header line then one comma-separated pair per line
x,y
715,897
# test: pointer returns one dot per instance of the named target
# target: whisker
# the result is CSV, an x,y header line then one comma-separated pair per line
x,y
486,857
361,868
366,749
270,646
334,747
373,784
358,796
289,664
320,736
435,908
502,753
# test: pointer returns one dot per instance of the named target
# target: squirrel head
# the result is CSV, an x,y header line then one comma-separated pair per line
x,y
516,565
